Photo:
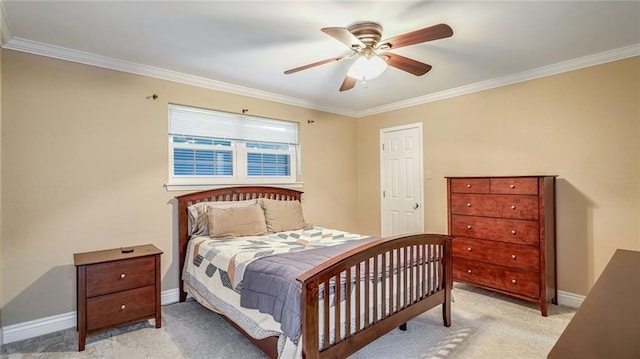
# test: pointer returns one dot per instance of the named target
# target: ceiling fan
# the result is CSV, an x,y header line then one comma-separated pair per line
x,y
373,55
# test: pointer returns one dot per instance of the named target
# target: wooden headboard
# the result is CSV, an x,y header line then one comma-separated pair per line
x,y
219,195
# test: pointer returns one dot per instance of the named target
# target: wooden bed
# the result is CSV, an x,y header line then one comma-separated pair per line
x,y
419,296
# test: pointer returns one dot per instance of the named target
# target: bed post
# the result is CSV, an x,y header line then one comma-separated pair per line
x,y
447,263
183,239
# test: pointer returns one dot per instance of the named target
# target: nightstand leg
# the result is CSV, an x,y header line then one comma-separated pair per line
x,y
81,274
158,298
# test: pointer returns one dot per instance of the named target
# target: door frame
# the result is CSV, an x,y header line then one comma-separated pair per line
x,y
420,171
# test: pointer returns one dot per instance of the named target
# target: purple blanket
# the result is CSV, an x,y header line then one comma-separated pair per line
x,y
269,283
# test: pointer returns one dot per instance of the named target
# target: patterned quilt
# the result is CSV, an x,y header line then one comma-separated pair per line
x,y
215,268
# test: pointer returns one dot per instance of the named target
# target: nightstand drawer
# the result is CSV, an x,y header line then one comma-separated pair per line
x,y
119,308
120,275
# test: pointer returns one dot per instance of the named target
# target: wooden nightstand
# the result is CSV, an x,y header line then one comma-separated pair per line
x,y
116,288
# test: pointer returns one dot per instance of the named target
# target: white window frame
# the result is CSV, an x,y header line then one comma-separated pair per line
x,y
239,163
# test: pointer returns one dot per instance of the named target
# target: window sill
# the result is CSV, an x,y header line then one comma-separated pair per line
x,y
201,187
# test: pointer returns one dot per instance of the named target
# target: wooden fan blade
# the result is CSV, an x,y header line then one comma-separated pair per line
x,y
435,32
348,83
333,59
344,36
406,64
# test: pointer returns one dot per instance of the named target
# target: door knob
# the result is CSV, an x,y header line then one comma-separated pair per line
x,y
415,206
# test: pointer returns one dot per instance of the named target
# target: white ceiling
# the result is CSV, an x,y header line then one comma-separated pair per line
x,y
244,47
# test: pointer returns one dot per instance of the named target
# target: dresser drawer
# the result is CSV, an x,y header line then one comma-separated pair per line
x,y
122,307
115,276
497,229
497,277
514,185
490,205
470,185
510,255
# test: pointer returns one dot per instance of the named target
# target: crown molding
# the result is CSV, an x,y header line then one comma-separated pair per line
x,y
63,53
565,66
5,31
38,48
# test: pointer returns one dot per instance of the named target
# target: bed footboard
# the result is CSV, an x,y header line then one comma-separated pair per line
x,y
388,281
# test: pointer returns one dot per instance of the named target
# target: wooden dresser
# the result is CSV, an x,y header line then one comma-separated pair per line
x,y
116,288
605,325
504,229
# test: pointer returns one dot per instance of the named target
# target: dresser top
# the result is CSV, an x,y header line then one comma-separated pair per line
x,y
114,254
606,324
518,176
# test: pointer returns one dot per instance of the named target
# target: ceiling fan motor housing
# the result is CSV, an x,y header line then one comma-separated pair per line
x,y
367,32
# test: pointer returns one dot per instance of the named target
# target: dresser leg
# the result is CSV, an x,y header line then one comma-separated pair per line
x,y
81,341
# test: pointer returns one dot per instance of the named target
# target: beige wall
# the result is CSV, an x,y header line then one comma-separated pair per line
x,y
84,160
583,126
67,128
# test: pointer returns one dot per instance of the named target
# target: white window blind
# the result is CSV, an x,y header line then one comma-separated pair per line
x,y
212,148
188,121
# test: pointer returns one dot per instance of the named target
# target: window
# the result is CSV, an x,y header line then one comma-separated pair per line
x,y
210,147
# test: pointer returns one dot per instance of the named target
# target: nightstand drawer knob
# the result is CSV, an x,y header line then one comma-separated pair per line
x,y
512,186
513,256
468,186
123,307
122,276
468,204
513,231
513,207
468,249
513,281
468,226
469,271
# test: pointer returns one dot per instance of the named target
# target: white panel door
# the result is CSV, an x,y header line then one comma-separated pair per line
x,y
401,179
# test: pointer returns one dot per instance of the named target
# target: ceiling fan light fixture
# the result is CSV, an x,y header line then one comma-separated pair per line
x,y
367,67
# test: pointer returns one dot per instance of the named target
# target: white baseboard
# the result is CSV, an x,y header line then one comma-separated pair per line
x,y
570,299
34,328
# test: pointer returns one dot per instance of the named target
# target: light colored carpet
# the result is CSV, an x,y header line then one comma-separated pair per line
x,y
484,325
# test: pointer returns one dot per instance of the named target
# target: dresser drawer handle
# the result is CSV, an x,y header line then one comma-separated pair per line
x,y
468,186
513,281
468,204
469,271
513,231
468,249
122,276
513,256
123,307
512,186
513,207
468,226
